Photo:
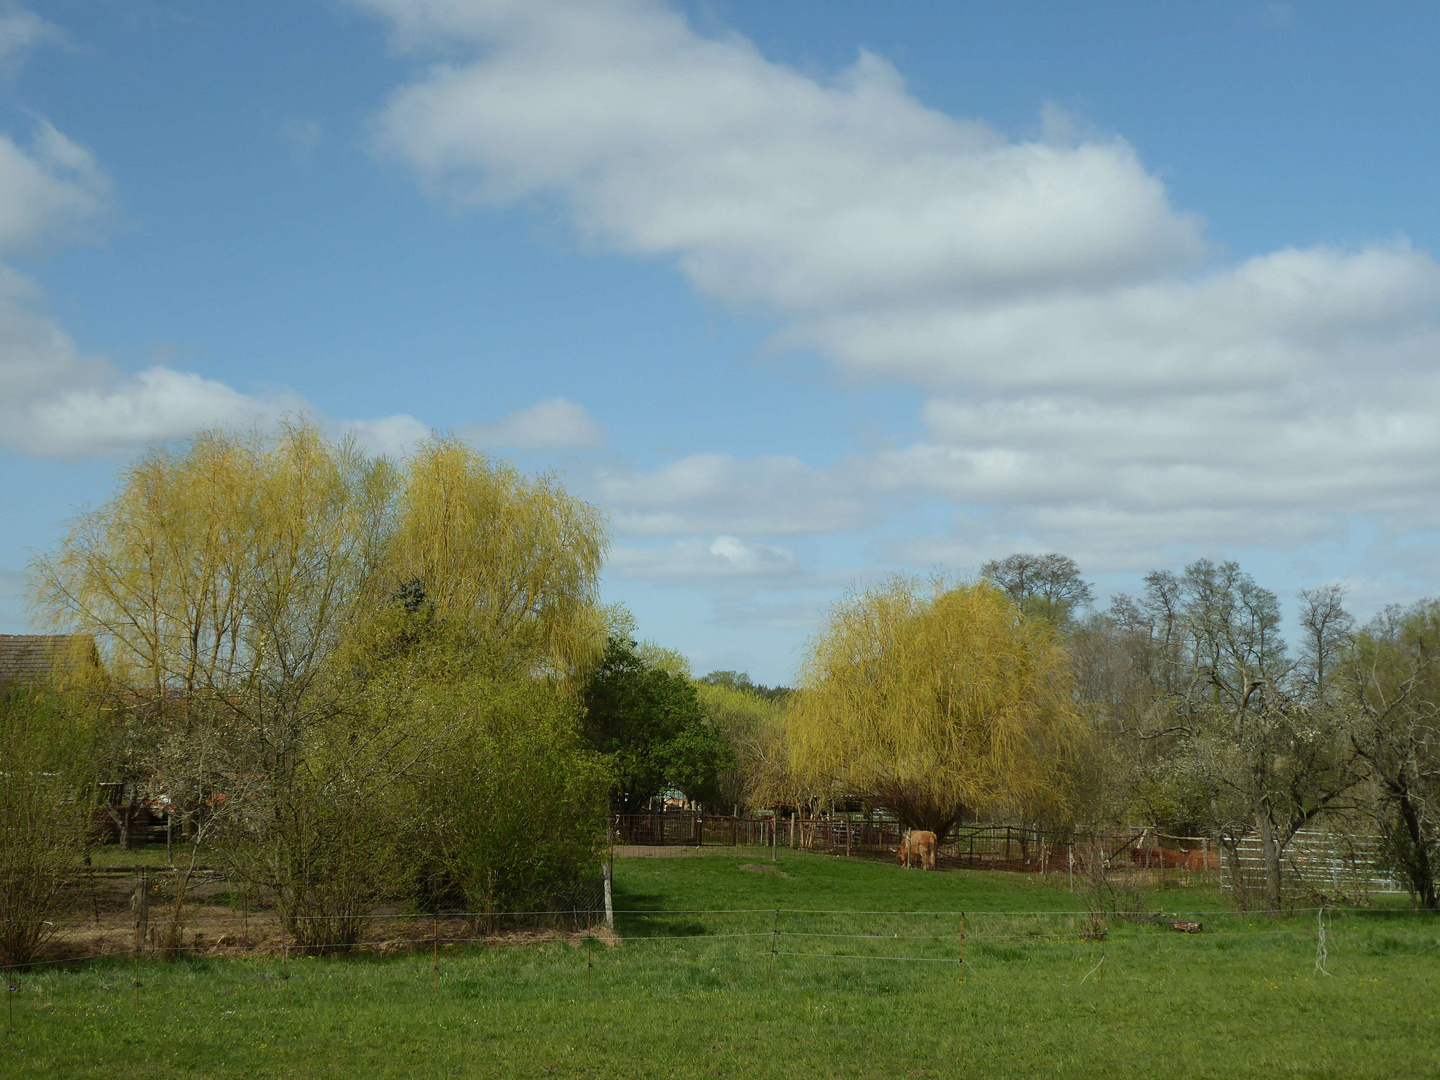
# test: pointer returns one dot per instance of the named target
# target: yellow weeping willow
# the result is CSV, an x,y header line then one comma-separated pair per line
x,y
245,560
515,561
933,701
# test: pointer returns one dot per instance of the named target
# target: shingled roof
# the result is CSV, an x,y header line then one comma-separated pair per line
x,y
29,658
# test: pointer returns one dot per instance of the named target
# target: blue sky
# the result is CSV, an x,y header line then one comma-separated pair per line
x,y
800,293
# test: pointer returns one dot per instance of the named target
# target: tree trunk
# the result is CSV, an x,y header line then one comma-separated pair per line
x,y
1270,853
1422,873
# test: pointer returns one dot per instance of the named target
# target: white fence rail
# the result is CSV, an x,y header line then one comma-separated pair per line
x,y
1332,863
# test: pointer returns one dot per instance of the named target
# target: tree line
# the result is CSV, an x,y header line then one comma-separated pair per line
x,y
1011,698
353,680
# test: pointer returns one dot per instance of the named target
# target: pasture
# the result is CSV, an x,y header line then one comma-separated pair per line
x,y
810,967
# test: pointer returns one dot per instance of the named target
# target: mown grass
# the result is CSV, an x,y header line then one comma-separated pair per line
x,y
697,992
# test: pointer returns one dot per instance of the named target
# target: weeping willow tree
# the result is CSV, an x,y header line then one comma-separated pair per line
x,y
934,702
233,587
515,561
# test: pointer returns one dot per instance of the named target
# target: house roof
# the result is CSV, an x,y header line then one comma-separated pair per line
x,y
26,658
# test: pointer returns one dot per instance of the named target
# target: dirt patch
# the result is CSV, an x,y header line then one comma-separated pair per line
x,y
102,923
764,870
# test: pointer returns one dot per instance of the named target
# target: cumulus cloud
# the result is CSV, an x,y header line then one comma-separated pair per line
x,y
767,186
1098,376
725,560
52,190
556,424
119,414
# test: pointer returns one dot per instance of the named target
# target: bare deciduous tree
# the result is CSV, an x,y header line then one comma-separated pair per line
x,y
1395,676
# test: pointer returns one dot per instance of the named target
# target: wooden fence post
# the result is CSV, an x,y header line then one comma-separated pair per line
x,y
609,895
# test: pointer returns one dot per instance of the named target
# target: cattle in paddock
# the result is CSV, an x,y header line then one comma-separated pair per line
x,y
1202,860
1170,859
917,844
1157,858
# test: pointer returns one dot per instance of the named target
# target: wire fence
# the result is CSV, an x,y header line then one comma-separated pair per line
x,y
943,929
1337,864
781,941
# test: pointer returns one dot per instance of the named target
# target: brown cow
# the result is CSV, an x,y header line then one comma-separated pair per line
x,y
1156,858
917,844
1202,860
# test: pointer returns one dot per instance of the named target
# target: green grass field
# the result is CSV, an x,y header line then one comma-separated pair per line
x,y
695,991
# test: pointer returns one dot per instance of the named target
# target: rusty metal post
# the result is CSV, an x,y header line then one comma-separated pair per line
x,y
960,972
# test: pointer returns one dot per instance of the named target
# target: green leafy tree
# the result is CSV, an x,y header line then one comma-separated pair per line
x,y
46,797
650,724
749,722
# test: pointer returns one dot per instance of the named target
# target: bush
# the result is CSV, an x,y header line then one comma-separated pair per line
x,y
46,784
516,806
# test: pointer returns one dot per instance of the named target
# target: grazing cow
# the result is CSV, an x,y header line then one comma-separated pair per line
x,y
917,844
1202,860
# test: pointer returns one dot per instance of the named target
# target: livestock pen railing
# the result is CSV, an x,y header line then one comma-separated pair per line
x,y
1020,848
1335,864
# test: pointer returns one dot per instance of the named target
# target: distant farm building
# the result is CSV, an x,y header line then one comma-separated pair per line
x,y
29,659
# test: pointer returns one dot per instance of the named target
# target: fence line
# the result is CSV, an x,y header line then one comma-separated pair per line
x,y
1345,864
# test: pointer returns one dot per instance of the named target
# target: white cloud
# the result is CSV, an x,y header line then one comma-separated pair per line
x,y
711,493
22,30
766,185
725,560
1269,322
395,436
51,191
556,424
56,401
1099,380
154,406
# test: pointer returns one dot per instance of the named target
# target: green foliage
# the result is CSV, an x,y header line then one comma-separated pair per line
x,y
749,720
46,796
516,802
740,680
293,627
650,725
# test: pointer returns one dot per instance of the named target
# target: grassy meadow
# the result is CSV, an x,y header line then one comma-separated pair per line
x,y
856,976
